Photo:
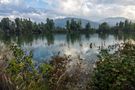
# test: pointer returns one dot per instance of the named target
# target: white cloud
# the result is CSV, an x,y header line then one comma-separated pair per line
x,y
11,2
90,9
97,9
4,1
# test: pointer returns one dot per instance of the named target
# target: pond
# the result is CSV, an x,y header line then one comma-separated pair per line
x,y
83,45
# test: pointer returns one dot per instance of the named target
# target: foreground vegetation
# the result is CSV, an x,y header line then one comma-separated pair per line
x,y
20,72
111,71
116,71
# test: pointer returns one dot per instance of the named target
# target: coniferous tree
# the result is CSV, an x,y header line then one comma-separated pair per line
x,y
88,26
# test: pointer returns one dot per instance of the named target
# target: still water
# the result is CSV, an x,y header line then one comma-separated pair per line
x,y
83,45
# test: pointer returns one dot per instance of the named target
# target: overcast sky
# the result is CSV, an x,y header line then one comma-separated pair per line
x,y
39,10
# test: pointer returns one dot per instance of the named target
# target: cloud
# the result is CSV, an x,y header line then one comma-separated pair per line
x,y
39,10
11,2
116,2
96,9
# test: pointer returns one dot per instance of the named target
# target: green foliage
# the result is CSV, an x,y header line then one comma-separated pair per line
x,y
79,25
104,27
68,25
23,73
73,25
126,26
49,24
5,25
88,26
25,26
116,71
45,69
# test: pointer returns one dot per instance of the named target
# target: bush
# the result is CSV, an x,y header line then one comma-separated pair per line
x,y
116,71
22,73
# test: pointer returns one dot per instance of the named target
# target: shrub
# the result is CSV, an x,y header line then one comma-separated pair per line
x,y
116,71
22,72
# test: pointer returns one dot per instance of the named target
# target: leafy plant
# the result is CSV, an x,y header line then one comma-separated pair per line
x,y
116,71
23,73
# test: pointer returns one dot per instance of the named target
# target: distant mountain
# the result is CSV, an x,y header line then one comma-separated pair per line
x,y
62,22
113,20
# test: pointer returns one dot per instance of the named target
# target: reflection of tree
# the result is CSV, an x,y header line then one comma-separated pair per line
x,y
124,36
118,36
27,39
127,36
21,39
49,38
73,37
68,38
87,36
103,36
5,38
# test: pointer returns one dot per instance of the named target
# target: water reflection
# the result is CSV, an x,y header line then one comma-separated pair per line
x,y
48,45
73,37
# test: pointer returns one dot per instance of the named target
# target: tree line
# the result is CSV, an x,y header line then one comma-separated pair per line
x,y
126,26
20,25
76,25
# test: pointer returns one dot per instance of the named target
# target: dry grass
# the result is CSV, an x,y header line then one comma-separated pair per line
x,y
5,55
69,74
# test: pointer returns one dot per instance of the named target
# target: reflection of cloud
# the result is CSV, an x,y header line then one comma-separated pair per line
x,y
71,51
85,49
